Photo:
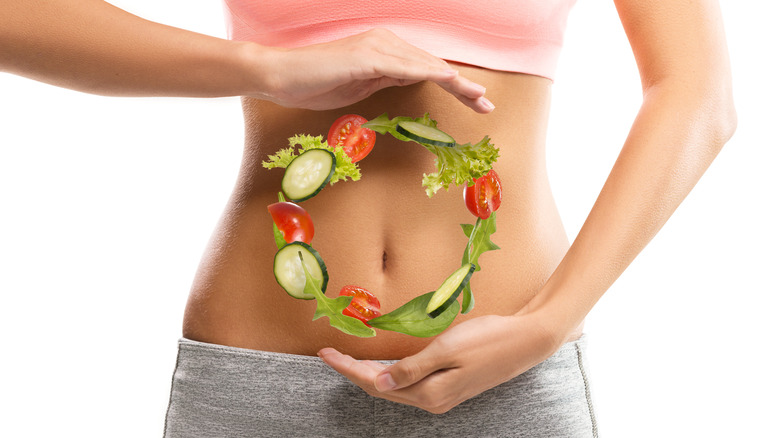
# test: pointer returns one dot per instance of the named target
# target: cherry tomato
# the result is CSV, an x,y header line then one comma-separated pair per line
x,y
364,305
293,221
484,197
347,133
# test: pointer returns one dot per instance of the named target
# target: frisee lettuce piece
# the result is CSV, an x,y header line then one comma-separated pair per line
x,y
459,164
332,308
345,168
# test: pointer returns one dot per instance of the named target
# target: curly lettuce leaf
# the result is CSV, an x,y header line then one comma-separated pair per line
x,y
459,164
332,308
345,168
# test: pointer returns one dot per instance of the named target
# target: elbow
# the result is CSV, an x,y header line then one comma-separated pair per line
x,y
706,106
723,117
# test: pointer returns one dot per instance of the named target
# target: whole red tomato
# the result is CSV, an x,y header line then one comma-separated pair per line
x,y
347,133
484,197
293,221
364,305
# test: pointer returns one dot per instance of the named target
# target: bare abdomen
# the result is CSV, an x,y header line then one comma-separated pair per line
x,y
382,233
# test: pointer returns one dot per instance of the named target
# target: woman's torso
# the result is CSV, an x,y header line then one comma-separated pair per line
x,y
382,233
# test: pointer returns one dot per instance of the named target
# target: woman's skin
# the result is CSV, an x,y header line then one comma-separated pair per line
x,y
382,232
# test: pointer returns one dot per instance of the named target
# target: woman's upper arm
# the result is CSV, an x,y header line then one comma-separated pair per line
x,y
681,52
682,40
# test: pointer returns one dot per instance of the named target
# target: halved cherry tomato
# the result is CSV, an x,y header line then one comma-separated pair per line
x,y
347,133
364,305
293,221
484,197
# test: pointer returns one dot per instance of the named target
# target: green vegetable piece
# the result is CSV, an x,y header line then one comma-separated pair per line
x,y
345,168
411,318
468,299
479,239
332,308
279,237
457,165
479,242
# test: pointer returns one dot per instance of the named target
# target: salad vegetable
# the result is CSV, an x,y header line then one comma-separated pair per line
x,y
458,164
344,169
292,221
364,305
484,196
333,308
347,132
300,270
479,242
412,319
289,273
449,290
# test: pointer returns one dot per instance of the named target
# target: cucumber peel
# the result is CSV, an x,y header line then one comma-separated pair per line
x,y
449,290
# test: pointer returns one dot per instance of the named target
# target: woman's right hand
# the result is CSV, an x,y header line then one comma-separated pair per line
x,y
124,55
345,71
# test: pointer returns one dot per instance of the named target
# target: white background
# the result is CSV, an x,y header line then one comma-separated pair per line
x,y
107,203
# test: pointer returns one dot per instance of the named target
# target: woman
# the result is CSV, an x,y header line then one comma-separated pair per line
x,y
392,236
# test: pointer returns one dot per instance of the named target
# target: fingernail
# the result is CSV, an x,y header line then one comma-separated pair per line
x,y
486,104
384,382
450,71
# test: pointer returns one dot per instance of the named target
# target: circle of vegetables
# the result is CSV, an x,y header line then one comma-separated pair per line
x,y
458,164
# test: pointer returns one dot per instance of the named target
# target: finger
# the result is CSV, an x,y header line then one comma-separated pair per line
x,y
470,93
375,365
481,105
361,373
404,73
464,87
406,69
411,370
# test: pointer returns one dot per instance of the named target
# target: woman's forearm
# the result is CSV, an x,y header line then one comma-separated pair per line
x,y
92,46
678,132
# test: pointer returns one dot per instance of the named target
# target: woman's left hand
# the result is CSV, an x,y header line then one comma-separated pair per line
x,y
461,363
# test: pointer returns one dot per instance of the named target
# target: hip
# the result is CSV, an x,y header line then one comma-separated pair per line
x,y
219,391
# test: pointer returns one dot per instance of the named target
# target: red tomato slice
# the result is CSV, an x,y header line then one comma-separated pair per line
x,y
293,221
364,305
484,197
347,133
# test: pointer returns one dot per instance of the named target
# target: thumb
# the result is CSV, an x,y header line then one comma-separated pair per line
x,y
408,371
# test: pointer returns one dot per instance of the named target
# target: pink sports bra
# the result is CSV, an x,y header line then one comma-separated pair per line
x,y
513,35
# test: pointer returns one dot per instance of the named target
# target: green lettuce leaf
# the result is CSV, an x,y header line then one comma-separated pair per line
x,y
345,168
479,243
332,308
459,164
279,237
411,318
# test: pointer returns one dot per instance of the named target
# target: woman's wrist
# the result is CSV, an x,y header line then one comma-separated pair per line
x,y
557,316
256,65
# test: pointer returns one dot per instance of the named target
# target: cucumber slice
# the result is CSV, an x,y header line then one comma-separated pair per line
x,y
307,174
289,271
449,290
424,134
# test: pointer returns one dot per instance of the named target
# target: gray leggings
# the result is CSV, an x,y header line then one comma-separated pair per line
x,y
220,391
